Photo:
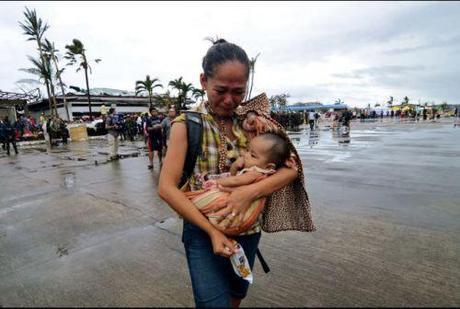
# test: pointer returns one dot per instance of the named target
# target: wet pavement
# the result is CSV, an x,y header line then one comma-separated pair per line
x,y
77,229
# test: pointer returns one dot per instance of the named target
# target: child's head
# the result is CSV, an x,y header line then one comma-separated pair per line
x,y
267,151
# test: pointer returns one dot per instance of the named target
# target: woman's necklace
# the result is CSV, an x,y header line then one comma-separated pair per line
x,y
222,164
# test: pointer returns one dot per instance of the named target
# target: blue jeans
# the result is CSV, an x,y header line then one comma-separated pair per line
x,y
213,280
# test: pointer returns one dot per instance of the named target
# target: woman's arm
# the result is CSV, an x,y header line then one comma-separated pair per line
x,y
241,197
167,189
239,180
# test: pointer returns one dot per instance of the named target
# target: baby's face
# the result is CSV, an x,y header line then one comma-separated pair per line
x,y
257,153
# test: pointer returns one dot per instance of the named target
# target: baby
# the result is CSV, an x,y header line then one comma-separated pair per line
x,y
266,153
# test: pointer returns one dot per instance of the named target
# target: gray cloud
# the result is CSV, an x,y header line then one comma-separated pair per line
x,y
381,48
432,43
381,72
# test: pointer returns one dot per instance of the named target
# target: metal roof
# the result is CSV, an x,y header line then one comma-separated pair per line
x,y
308,107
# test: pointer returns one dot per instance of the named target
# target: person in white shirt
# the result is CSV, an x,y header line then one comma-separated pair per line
x,y
311,120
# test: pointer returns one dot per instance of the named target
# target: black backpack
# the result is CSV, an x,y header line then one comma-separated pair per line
x,y
194,125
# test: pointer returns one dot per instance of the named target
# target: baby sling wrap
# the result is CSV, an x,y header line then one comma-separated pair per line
x,y
210,201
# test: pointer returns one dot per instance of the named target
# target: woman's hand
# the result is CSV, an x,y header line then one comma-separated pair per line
x,y
238,202
221,245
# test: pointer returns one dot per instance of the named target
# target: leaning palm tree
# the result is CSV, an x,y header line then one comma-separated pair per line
x,y
77,49
35,29
50,50
252,64
43,71
147,85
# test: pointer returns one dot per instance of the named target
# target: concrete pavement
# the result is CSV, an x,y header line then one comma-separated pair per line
x,y
386,204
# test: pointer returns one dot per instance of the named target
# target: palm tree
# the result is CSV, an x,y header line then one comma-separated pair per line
x,y
147,85
34,28
198,94
252,64
73,51
43,71
185,89
406,100
338,101
390,102
164,99
51,51
177,84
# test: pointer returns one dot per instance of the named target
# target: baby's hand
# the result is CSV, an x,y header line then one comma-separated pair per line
x,y
210,184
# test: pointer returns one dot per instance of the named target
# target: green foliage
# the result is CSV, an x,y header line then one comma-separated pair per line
x,y
42,70
289,120
33,26
390,101
279,100
147,85
183,89
406,100
338,101
76,52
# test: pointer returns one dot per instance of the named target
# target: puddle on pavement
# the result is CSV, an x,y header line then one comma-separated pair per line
x,y
69,180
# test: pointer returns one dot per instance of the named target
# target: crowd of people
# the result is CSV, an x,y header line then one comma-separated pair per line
x,y
28,128
342,118
153,127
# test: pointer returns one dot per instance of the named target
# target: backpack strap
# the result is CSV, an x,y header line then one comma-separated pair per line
x,y
194,125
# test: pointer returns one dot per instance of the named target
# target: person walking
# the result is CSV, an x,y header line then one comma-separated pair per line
x,y
139,123
152,129
166,128
111,124
311,120
214,283
2,134
9,133
317,118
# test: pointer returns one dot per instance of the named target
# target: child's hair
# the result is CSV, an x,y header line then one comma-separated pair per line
x,y
279,151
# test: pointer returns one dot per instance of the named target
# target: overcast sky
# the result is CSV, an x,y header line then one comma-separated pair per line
x,y
360,52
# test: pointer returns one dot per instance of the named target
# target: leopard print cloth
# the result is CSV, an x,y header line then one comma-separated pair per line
x,y
288,208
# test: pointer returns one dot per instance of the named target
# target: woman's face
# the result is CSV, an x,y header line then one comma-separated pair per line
x,y
226,89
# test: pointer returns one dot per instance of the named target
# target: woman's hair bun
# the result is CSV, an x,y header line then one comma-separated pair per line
x,y
219,41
